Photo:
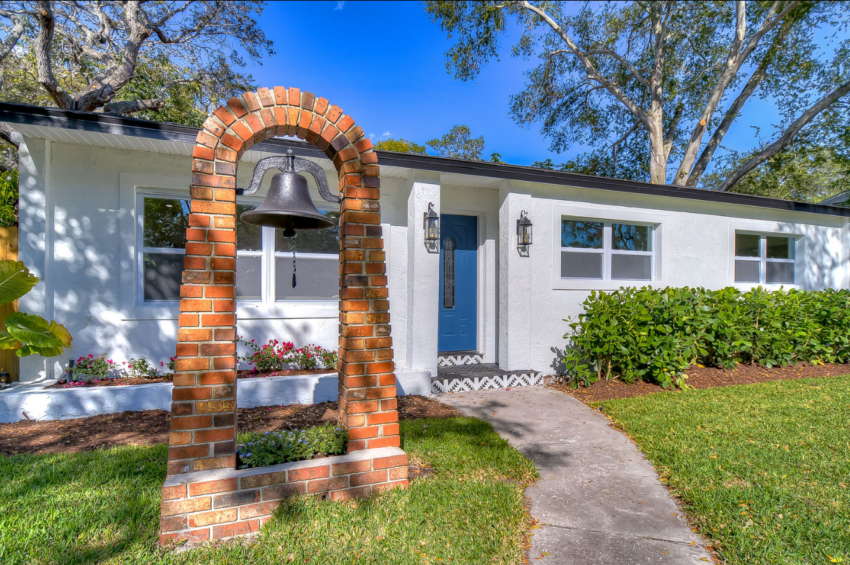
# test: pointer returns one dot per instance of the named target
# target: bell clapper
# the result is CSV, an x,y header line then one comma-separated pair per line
x,y
293,262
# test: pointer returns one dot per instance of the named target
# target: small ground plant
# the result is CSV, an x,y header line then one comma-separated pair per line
x,y
656,334
281,355
96,367
257,449
141,368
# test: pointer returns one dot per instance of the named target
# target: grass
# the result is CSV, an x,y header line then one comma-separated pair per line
x,y
763,469
103,507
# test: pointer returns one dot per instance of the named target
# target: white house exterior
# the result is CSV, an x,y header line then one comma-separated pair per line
x,y
85,180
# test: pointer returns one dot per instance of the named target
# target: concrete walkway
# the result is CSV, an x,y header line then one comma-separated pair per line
x,y
598,500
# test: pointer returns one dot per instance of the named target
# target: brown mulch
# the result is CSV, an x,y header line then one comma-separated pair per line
x,y
127,381
703,377
152,426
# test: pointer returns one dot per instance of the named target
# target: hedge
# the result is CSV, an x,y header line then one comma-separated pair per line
x,y
656,334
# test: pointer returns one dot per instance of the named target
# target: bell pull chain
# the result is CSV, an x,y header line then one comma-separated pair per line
x,y
293,261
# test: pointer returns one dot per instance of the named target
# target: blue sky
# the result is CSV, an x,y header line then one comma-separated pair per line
x,y
384,64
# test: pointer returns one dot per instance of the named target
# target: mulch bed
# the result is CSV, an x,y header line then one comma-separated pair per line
x,y
152,426
703,377
127,381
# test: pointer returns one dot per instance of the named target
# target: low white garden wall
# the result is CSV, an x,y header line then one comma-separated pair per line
x,y
68,403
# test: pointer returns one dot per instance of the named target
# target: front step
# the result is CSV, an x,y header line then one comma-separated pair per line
x,y
481,376
460,358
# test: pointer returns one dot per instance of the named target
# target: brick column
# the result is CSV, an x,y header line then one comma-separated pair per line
x,y
203,412
367,392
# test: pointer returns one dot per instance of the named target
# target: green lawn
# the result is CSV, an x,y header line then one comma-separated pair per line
x,y
103,507
763,469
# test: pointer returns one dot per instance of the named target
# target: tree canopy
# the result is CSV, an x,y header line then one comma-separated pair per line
x,y
654,87
400,145
168,61
458,143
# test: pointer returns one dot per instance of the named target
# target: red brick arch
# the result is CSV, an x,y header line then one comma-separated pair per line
x,y
203,410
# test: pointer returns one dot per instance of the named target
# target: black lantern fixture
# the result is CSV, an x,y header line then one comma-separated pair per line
x,y
523,229
431,224
288,205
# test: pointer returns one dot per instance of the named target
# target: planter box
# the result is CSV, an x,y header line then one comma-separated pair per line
x,y
69,403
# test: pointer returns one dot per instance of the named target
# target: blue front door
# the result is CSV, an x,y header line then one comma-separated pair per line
x,y
458,283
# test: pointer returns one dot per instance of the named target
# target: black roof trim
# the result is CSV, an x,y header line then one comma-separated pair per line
x,y
119,125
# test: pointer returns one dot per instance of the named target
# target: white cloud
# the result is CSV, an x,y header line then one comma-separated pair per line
x,y
386,134
339,5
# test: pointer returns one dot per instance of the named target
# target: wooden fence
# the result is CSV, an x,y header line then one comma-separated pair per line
x,y
9,362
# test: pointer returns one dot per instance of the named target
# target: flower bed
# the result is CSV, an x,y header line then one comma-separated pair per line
x,y
257,449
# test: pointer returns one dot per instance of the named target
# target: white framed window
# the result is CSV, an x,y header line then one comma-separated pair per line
x,y
161,245
606,250
765,258
263,257
316,263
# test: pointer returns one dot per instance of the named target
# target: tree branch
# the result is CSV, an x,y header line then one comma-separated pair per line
x,y
670,136
588,64
732,112
738,54
121,108
14,35
786,137
10,135
632,70
43,43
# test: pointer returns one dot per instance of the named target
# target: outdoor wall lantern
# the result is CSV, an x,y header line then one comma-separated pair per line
x,y
288,205
523,229
432,225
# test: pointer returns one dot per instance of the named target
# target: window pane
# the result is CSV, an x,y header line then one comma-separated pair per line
x,y
317,278
448,273
165,222
248,236
584,235
747,245
780,248
249,279
581,265
626,237
631,267
163,273
747,271
313,241
780,273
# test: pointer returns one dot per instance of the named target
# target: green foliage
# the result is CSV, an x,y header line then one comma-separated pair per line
x,y
761,469
400,145
281,355
802,172
256,449
141,368
28,334
459,143
9,198
656,334
95,367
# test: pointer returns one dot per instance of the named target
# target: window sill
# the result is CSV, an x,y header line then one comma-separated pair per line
x,y
302,309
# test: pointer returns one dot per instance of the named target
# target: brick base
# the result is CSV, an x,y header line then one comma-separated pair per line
x,y
224,503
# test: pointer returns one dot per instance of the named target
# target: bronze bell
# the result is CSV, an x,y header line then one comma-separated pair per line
x,y
288,205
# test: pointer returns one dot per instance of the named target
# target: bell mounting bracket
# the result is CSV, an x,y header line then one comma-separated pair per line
x,y
289,163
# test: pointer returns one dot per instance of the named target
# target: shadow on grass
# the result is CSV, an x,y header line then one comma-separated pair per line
x,y
79,508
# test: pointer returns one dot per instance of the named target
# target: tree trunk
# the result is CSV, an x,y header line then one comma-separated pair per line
x,y
657,160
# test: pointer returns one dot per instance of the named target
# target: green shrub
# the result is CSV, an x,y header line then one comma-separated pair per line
x,y
656,334
257,449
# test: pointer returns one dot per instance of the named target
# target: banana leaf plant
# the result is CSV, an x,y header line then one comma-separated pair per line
x,y
28,334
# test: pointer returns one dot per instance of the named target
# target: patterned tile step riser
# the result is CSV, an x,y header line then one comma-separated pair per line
x,y
466,384
452,360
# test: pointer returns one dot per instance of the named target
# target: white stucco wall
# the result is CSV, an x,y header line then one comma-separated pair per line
x,y
77,232
695,247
